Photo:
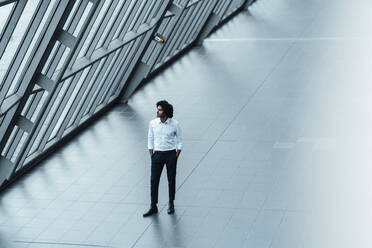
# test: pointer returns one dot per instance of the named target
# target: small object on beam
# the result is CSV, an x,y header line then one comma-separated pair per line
x,y
158,38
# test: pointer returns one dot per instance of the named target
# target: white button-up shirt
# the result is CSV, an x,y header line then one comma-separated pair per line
x,y
164,136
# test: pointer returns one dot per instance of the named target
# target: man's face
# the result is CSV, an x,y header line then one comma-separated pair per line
x,y
160,112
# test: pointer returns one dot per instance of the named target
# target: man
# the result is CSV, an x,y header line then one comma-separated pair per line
x,y
164,144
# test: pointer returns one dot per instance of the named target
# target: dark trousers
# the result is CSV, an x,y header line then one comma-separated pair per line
x,y
157,163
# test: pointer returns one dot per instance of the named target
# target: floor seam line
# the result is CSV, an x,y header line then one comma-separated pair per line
x,y
60,243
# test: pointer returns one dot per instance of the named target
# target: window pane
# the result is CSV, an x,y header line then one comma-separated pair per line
x,y
4,14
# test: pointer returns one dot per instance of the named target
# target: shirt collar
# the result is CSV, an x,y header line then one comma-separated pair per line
x,y
166,122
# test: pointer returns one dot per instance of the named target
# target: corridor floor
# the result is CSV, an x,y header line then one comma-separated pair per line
x,y
275,110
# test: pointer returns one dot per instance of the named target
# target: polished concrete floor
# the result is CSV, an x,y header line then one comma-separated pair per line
x,y
276,113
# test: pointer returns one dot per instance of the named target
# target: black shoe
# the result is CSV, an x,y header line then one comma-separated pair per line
x,y
171,208
152,210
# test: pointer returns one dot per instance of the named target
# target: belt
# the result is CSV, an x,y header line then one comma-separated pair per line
x,y
163,152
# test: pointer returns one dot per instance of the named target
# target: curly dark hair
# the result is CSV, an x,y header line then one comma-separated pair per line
x,y
168,108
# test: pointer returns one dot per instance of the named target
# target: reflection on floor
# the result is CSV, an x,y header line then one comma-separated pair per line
x,y
275,112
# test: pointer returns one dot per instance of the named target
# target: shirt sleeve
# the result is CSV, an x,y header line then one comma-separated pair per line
x,y
150,137
178,137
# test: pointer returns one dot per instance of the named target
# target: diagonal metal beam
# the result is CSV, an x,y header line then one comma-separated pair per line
x,y
46,105
11,24
137,76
